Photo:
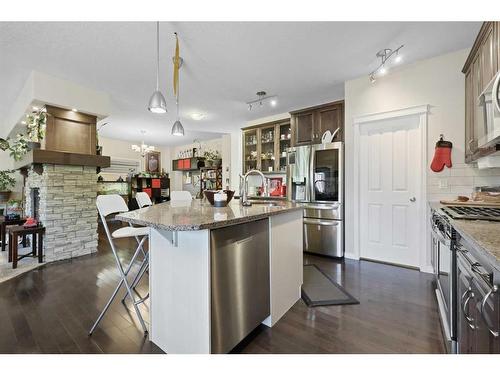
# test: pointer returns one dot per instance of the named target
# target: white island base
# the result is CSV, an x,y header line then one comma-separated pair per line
x,y
180,282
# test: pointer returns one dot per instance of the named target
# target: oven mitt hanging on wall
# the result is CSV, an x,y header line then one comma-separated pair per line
x,y
442,155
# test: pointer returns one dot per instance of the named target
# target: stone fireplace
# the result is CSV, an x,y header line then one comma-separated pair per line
x,y
66,207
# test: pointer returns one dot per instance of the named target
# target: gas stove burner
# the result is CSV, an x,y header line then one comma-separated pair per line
x,y
473,212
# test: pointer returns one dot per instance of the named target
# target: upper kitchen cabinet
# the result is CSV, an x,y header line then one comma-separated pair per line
x,y
303,128
264,146
480,69
308,125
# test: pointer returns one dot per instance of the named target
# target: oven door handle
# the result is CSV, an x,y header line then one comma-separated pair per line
x,y
486,319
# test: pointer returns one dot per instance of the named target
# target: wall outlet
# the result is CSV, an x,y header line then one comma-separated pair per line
x,y
443,183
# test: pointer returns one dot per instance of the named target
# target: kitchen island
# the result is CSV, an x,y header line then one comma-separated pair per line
x,y
217,273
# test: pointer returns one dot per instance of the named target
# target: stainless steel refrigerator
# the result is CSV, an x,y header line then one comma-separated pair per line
x,y
315,177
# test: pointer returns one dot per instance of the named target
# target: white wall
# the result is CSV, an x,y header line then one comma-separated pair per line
x,y
439,83
123,150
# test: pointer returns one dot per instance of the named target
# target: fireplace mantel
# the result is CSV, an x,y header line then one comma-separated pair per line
x,y
39,156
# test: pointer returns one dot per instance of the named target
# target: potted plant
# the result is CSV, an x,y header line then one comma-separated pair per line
x,y
6,183
19,148
209,156
35,129
217,159
4,144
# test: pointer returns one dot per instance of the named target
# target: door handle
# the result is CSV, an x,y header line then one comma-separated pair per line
x,y
470,321
495,93
413,199
485,318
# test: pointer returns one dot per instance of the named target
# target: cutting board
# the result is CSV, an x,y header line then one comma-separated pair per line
x,y
470,203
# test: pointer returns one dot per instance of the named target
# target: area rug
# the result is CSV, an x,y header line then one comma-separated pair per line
x,y
320,290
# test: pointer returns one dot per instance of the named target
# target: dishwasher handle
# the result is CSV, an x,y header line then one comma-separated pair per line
x,y
310,221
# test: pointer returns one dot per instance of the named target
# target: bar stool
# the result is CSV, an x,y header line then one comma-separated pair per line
x,y
143,200
114,204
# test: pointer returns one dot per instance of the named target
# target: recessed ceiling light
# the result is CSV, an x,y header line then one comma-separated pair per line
x,y
74,110
382,70
197,116
35,108
398,59
273,102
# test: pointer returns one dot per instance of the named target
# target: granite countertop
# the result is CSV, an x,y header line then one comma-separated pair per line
x,y
482,234
199,215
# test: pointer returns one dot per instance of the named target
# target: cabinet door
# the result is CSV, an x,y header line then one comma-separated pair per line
x,y
476,87
496,44
469,116
267,149
303,126
329,118
485,342
251,150
488,58
465,319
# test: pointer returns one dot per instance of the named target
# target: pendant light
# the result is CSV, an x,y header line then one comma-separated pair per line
x,y
157,103
177,128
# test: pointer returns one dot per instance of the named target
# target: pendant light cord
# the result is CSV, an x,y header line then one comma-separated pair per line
x,y
157,55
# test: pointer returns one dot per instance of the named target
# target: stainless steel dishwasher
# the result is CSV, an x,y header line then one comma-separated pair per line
x,y
240,296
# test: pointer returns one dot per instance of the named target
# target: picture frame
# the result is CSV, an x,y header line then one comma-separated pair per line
x,y
152,162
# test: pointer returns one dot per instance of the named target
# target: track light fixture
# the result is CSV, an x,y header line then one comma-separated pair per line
x,y
262,97
385,55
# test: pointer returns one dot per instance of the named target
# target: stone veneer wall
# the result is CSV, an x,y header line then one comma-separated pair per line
x,y
67,209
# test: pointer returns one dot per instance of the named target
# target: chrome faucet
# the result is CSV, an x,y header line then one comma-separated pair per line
x,y
244,186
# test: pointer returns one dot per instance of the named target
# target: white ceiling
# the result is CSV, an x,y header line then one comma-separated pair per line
x,y
304,63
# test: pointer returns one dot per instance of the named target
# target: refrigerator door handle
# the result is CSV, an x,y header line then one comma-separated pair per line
x,y
311,175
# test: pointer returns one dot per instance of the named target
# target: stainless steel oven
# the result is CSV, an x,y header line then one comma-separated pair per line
x,y
443,260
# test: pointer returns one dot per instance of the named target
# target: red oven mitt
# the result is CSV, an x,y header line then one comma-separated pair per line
x,y
442,155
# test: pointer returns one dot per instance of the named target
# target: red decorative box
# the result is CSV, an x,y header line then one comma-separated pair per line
x,y
155,183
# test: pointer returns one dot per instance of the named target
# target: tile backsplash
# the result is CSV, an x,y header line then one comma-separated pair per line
x,y
459,180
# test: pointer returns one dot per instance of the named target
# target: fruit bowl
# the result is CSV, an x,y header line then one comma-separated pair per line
x,y
210,196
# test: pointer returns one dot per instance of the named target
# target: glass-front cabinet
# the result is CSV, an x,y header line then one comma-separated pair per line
x,y
284,142
250,150
264,147
267,148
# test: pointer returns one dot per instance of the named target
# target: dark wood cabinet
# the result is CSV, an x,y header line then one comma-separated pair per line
x,y
480,68
303,128
264,146
308,125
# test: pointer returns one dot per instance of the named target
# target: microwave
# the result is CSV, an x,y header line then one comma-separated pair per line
x,y
489,114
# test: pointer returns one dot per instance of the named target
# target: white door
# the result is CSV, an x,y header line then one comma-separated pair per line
x,y
389,190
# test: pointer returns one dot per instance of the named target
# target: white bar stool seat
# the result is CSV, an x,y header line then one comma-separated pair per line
x,y
130,232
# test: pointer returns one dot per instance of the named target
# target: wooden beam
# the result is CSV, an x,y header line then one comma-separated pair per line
x,y
39,156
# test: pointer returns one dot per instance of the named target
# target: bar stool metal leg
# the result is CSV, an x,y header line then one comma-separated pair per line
x,y
123,276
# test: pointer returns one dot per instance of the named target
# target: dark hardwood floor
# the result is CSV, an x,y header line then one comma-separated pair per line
x,y
50,310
